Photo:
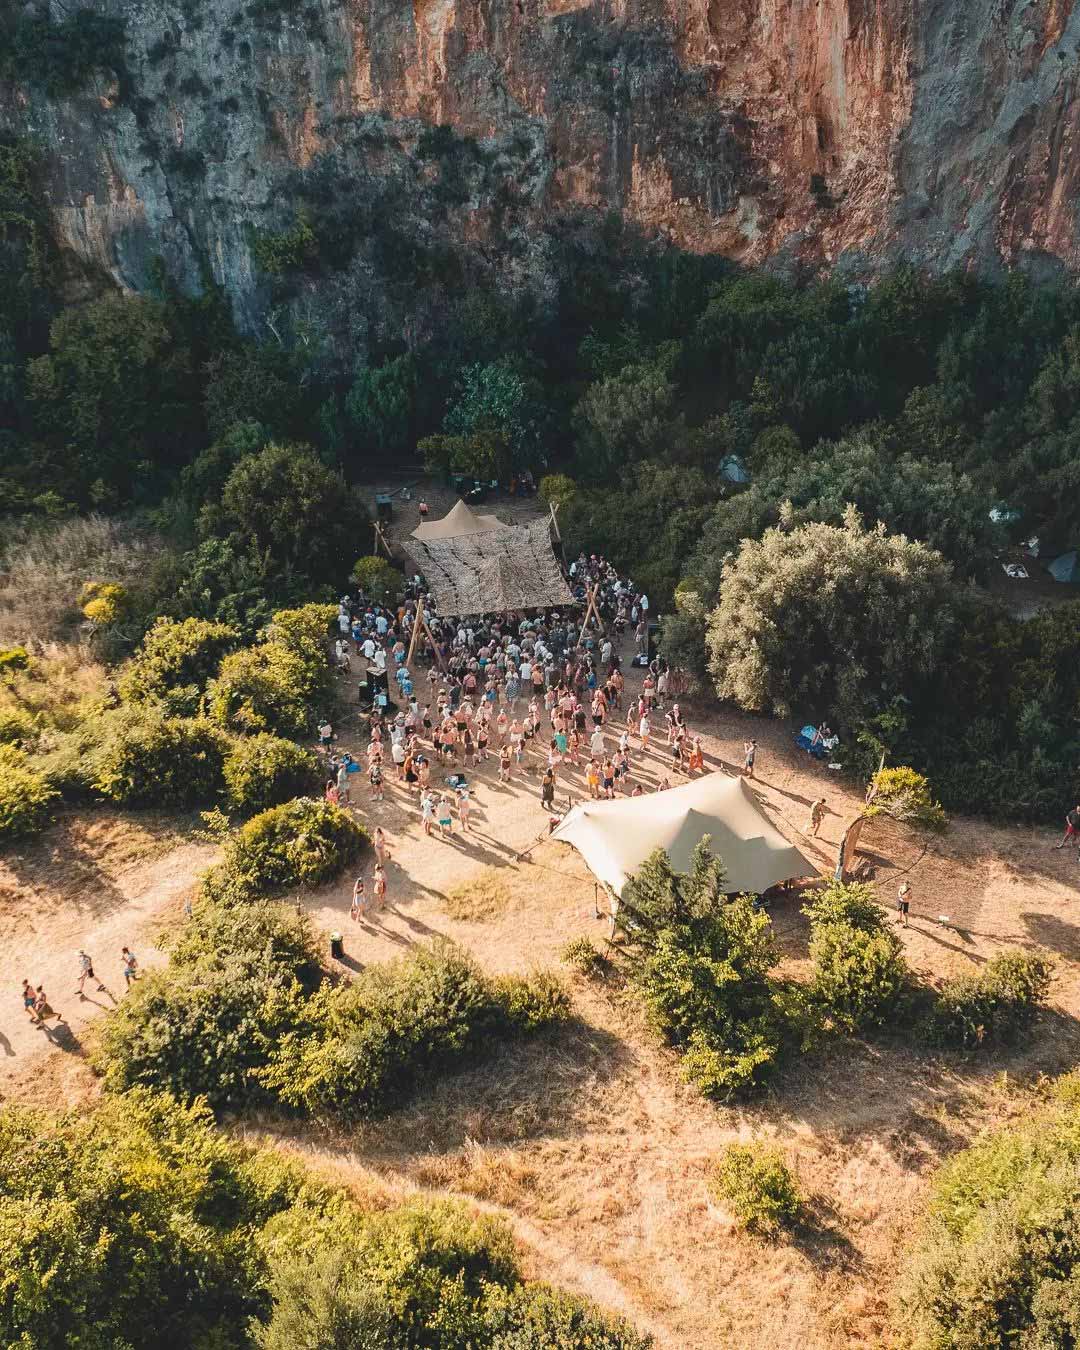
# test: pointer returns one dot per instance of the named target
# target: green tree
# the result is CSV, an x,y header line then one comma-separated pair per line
x,y
124,1226
115,388
377,579
252,384
284,503
995,1262
495,397
829,621
923,499
623,418
381,404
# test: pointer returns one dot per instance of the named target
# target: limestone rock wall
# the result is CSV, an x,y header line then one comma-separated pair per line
x,y
820,131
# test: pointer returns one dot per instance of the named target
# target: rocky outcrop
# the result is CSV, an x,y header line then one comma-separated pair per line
x,y
423,136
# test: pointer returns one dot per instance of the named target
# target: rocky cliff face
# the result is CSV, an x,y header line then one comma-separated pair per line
x,y
420,137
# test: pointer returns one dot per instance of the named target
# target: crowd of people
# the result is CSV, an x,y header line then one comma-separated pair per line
x,y
531,695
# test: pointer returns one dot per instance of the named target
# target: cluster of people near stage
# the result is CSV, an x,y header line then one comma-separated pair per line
x,y
540,691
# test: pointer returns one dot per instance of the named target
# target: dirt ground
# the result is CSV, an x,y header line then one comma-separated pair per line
x,y
586,1140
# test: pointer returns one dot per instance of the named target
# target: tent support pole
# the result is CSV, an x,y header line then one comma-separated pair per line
x,y
414,634
434,645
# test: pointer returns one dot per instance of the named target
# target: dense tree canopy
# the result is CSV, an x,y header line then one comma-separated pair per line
x,y
832,618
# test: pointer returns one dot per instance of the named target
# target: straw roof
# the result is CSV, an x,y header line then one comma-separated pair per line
x,y
459,520
512,567
615,837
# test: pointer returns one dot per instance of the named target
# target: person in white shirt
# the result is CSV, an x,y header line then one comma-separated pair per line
x,y
368,648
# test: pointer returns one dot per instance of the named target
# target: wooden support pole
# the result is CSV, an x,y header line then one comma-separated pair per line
x,y
417,617
590,609
554,522
434,645
380,538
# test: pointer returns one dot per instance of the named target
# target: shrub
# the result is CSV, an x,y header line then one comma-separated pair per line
x,y
377,579
103,602
852,903
262,688
305,842
581,955
200,1030
177,656
140,757
125,1225
13,659
702,971
137,1223
995,1004
262,771
530,1003
283,251
860,977
17,727
25,796
278,684
996,1260
211,1021
375,1040
757,1186
905,795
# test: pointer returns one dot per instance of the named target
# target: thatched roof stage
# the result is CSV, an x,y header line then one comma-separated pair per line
x,y
510,568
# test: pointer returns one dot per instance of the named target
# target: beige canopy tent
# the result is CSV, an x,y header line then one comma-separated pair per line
x,y
615,837
459,521
510,568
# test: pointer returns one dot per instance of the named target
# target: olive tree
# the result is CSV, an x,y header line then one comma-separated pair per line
x,y
830,619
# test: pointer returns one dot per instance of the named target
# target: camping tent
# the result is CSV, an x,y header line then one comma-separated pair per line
x,y
1065,568
734,470
457,522
615,837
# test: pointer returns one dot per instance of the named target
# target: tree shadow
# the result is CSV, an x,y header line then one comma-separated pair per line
x,y
520,1089
1047,930
819,1235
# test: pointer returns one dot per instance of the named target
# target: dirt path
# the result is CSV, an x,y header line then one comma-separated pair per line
x,y
41,943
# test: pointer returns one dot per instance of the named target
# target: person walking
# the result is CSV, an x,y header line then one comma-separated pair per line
x,y
1072,826
29,1000
749,755
378,844
464,809
378,886
427,811
131,966
42,1007
86,972
547,789
903,902
359,901
817,815
344,790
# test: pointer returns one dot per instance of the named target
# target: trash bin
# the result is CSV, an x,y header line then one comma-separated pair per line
x,y
337,947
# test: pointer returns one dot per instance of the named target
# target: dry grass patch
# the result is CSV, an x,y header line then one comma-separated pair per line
x,y
59,688
498,1176
484,896
43,567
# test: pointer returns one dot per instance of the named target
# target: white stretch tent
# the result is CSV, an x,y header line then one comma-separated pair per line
x,y
615,837
458,522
